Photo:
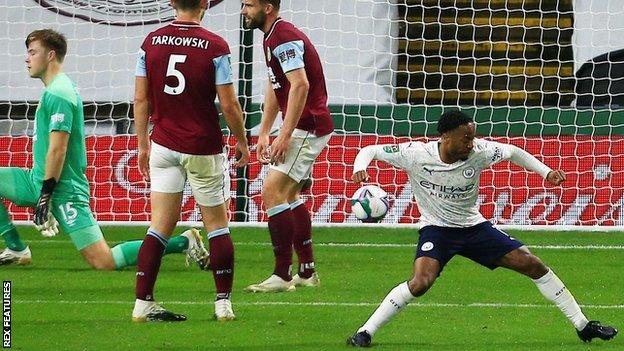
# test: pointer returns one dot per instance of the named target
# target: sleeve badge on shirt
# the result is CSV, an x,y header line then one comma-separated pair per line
x,y
498,154
287,55
391,148
57,117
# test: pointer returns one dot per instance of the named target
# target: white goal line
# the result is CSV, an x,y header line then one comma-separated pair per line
x,y
554,228
382,245
317,304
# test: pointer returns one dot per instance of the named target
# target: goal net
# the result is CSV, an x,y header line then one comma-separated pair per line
x,y
547,76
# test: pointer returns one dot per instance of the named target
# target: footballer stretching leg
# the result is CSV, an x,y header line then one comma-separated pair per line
x,y
453,225
19,188
16,250
425,273
553,289
56,186
426,270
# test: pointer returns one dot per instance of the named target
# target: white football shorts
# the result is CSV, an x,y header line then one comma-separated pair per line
x,y
208,175
304,148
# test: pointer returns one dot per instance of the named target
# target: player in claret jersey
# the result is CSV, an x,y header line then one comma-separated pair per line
x,y
296,87
56,186
181,68
444,176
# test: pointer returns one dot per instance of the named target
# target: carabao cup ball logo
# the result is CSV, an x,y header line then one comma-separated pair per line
x,y
116,13
370,204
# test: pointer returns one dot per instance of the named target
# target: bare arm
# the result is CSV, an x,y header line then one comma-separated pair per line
x,y
141,120
269,113
233,115
297,96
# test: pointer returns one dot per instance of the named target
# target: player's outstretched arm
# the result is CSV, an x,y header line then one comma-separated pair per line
x,y
362,160
556,177
524,159
401,156
269,113
141,119
233,115
359,177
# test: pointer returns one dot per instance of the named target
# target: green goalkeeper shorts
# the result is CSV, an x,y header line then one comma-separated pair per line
x,y
73,214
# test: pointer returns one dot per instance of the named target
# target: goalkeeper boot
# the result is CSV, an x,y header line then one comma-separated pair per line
x,y
359,339
594,329
223,310
196,250
150,311
313,281
272,284
22,258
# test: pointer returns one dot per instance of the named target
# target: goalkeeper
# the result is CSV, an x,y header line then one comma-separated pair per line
x,y
56,186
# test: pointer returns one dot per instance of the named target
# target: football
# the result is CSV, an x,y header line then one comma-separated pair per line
x,y
370,204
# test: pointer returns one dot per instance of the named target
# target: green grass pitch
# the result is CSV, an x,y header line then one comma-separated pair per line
x,y
61,304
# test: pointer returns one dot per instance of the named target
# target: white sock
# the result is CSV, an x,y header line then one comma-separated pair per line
x,y
141,307
553,289
394,302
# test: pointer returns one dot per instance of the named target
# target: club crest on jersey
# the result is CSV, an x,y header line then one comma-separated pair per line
x,y
116,13
468,173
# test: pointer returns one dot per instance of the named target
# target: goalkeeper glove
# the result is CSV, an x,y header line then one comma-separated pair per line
x,y
49,228
43,205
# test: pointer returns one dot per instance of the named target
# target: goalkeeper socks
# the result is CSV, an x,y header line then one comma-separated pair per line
x,y
396,299
150,256
222,260
177,244
8,231
281,228
302,240
126,253
13,241
553,289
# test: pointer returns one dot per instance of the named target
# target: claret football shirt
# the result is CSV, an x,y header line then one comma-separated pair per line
x,y
286,48
184,63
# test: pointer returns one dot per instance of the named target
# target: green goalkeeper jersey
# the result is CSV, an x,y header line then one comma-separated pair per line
x,y
60,109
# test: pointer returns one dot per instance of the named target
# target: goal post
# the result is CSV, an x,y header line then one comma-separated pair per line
x,y
533,73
